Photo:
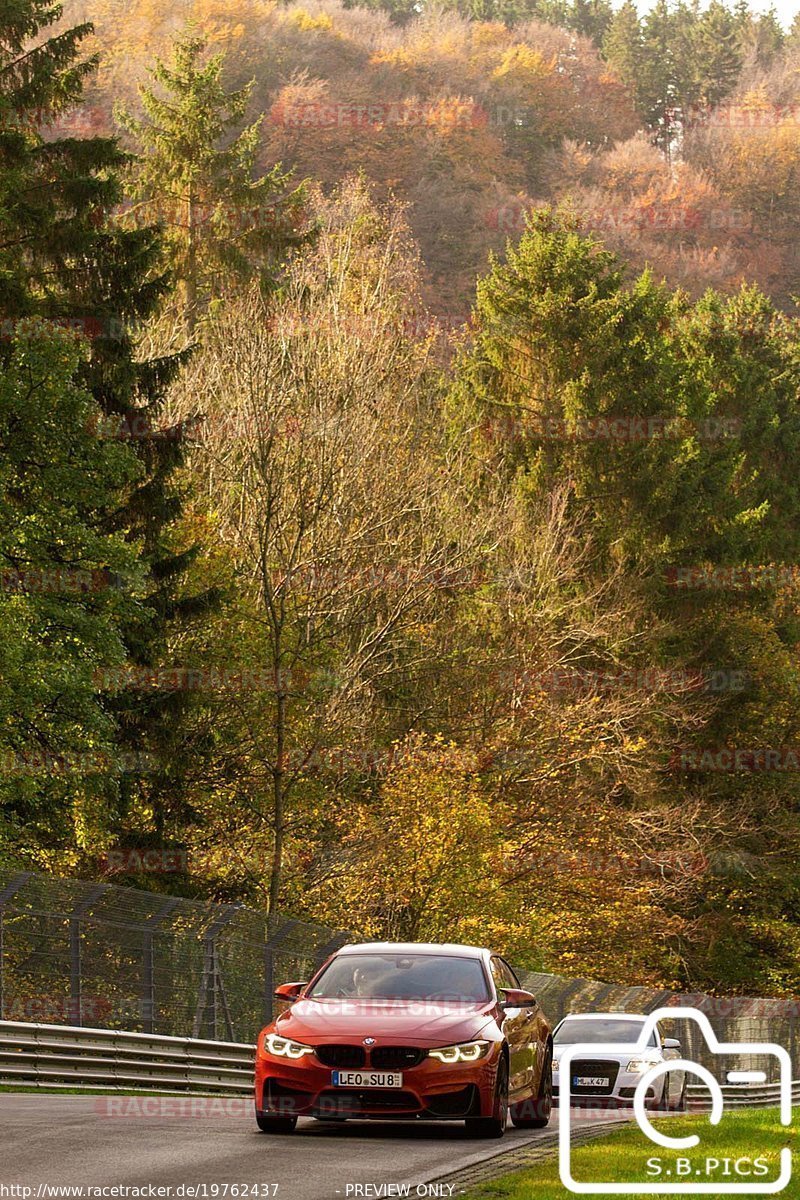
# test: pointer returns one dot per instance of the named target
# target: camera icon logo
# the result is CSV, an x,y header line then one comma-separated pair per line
x,y
697,1180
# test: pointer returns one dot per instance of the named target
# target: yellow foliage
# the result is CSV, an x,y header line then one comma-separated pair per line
x,y
399,57
489,33
522,60
305,21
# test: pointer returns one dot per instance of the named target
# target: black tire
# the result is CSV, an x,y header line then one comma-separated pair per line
x,y
682,1104
663,1104
536,1112
495,1125
268,1124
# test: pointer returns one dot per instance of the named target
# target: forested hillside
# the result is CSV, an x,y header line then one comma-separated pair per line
x,y
352,569
675,137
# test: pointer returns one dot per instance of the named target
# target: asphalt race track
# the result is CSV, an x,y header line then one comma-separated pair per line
x,y
91,1140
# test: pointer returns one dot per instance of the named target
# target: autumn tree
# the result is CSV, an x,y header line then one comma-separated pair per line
x,y
318,412
431,874
565,354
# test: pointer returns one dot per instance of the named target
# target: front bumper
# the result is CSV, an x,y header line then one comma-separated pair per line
x,y
620,1092
430,1091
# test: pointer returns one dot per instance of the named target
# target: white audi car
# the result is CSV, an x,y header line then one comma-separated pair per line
x,y
612,1077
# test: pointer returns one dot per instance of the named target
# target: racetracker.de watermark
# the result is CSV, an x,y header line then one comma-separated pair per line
x,y
60,581
35,763
610,428
728,759
573,681
704,577
620,218
378,114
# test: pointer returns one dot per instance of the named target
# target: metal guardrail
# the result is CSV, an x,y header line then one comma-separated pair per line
x,y
62,1056
741,1095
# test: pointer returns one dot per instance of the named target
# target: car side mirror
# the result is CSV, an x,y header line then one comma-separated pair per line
x,y
671,1044
289,991
517,998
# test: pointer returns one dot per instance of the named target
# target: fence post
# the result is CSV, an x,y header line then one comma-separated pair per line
x,y
148,999
792,1044
212,976
273,941
8,891
336,942
75,966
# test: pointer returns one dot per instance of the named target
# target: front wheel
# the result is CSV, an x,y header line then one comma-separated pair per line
x,y
269,1124
664,1104
680,1104
535,1113
495,1125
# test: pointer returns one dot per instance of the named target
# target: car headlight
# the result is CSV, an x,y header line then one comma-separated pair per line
x,y
463,1052
640,1065
285,1047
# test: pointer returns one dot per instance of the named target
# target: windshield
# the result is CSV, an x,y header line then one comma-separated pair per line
x,y
600,1030
402,977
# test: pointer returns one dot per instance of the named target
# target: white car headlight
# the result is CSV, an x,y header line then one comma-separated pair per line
x,y
640,1065
285,1047
463,1052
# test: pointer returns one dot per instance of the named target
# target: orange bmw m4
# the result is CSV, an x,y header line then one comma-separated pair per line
x,y
407,1031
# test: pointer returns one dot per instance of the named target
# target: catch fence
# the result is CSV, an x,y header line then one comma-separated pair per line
x,y
733,1019
101,956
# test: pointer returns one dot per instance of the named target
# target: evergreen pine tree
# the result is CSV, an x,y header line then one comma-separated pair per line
x,y
68,586
760,36
60,260
592,18
718,53
622,46
195,176
793,36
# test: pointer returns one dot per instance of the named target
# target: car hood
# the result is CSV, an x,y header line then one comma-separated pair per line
x,y
621,1056
390,1022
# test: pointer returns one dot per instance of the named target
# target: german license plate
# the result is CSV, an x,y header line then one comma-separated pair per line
x,y
367,1079
590,1081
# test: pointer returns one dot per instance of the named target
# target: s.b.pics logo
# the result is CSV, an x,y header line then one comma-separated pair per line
x,y
684,1167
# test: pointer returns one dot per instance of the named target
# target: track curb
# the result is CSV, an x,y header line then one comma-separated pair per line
x,y
505,1162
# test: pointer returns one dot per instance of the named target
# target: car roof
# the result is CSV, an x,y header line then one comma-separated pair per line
x,y
448,948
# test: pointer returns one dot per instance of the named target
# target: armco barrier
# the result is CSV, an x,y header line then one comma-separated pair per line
x,y
61,1056
740,1095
